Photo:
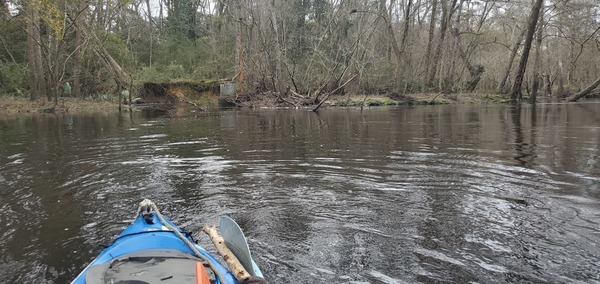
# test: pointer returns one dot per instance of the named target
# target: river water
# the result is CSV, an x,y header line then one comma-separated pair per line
x,y
431,194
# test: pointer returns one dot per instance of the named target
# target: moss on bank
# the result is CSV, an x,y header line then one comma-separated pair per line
x,y
416,99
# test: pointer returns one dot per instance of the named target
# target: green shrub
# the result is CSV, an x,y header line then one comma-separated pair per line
x,y
150,74
13,79
373,102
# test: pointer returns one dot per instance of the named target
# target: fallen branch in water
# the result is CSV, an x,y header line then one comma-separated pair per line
x,y
336,89
299,95
192,103
286,100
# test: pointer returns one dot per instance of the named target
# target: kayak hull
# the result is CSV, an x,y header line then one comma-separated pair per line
x,y
147,235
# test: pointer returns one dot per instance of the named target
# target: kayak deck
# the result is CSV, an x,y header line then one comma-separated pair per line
x,y
151,266
148,234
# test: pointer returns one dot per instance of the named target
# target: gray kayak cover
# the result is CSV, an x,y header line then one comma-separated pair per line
x,y
148,266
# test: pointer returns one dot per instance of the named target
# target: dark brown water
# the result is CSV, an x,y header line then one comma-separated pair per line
x,y
487,194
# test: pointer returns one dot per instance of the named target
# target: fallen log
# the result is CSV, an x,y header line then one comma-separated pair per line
x,y
585,92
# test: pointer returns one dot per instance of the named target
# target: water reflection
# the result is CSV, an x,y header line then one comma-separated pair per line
x,y
423,194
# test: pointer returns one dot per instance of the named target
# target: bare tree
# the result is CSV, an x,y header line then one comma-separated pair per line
x,y
532,22
278,78
447,12
513,53
538,60
475,71
78,60
37,82
405,61
427,57
398,50
150,30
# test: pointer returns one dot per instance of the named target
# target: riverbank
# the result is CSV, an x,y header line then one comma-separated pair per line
x,y
392,99
415,99
15,106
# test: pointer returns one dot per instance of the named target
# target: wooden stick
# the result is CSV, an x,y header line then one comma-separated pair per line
x,y
233,263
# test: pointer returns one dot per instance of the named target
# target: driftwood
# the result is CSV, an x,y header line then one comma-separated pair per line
x,y
585,92
286,100
233,263
363,102
299,95
336,89
191,103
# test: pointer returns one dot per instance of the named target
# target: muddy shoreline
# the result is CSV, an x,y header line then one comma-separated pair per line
x,y
15,106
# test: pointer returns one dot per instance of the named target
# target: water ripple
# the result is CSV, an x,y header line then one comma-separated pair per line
x,y
448,194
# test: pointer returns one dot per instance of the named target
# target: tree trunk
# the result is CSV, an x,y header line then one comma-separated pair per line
x,y
149,11
536,66
150,31
446,16
37,82
119,74
78,60
560,92
239,49
53,58
31,52
403,42
585,92
533,19
429,43
160,15
511,59
392,36
548,84
4,13
278,83
99,9
406,27
475,72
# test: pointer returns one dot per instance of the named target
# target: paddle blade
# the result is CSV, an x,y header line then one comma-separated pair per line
x,y
236,242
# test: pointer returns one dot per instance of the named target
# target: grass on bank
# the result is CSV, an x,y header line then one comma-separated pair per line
x,y
418,99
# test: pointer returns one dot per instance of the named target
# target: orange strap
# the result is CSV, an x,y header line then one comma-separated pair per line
x,y
201,275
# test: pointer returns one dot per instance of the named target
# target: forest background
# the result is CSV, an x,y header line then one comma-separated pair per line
x,y
301,49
